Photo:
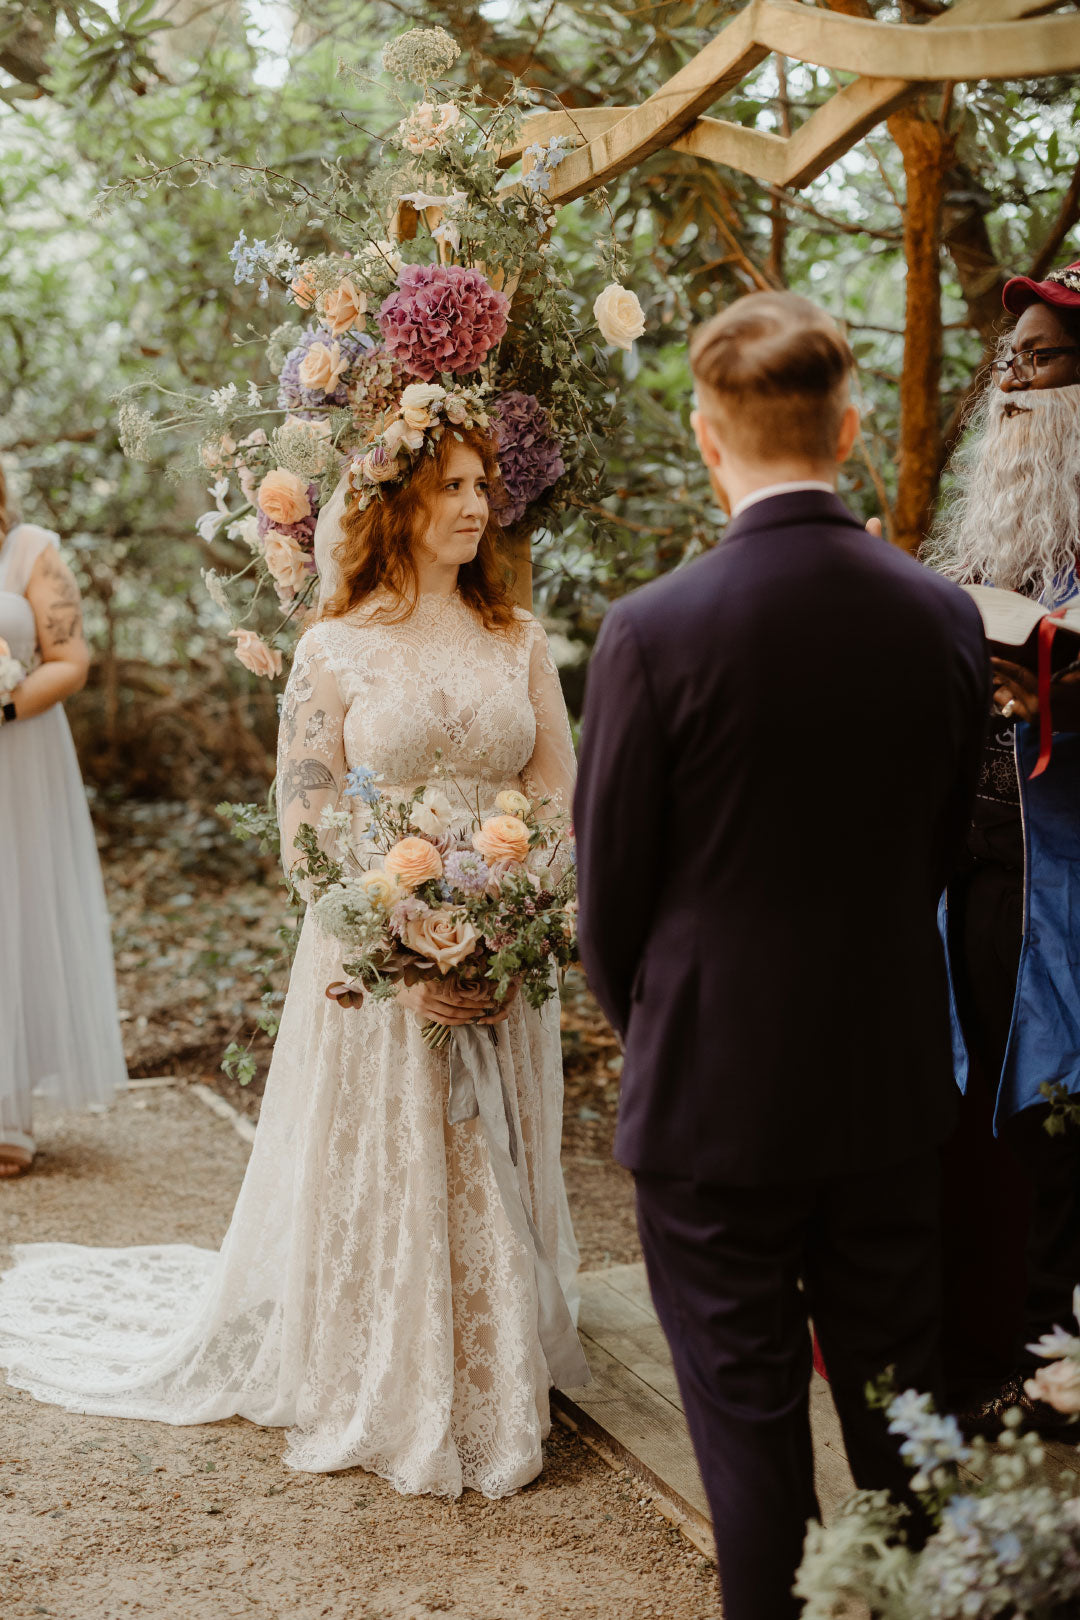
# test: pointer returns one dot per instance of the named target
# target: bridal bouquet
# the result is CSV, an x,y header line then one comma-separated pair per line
x,y
12,673
429,889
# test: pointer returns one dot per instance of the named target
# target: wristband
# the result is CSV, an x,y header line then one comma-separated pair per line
x,y
8,711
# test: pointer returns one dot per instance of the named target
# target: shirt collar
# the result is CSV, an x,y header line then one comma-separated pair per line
x,y
791,488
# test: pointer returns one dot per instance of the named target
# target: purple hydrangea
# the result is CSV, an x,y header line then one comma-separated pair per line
x,y
304,531
442,317
293,396
467,870
530,455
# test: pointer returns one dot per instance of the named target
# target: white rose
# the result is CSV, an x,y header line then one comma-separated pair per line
x,y
619,316
433,815
416,403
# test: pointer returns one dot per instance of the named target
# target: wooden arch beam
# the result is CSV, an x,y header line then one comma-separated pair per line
x,y
975,39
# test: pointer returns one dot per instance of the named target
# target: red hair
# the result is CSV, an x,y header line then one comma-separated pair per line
x,y
376,549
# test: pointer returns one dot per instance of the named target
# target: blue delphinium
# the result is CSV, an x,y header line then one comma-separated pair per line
x,y
930,1438
360,784
246,257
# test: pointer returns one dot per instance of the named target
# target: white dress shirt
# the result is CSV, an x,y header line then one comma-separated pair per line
x,y
769,490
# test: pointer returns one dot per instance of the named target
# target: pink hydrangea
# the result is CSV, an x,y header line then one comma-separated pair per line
x,y
443,317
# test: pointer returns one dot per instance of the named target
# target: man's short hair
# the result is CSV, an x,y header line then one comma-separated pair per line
x,y
771,371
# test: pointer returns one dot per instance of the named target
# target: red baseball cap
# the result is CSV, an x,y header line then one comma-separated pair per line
x,y
1060,287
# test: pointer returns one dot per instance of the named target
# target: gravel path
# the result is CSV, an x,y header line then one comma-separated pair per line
x,y
103,1520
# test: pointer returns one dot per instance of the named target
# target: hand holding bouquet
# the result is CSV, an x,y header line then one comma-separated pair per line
x,y
12,673
444,895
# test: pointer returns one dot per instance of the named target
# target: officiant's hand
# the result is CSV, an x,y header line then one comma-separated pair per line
x,y
1016,685
445,1003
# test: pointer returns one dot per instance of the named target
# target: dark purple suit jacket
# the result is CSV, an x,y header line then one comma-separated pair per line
x,y
780,750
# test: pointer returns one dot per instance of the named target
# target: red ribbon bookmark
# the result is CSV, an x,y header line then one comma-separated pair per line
x,y
1048,628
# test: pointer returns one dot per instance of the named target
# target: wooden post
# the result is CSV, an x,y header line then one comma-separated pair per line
x,y
928,154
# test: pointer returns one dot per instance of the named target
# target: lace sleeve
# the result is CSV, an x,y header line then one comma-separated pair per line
x,y
551,771
311,749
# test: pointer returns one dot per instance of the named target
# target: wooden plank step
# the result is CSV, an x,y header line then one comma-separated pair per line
x,y
632,1413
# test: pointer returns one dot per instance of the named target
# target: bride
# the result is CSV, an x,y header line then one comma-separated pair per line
x,y
379,1290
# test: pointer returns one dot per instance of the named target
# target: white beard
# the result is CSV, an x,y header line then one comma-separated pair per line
x,y
1011,516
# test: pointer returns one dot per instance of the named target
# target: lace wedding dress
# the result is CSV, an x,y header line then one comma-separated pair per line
x,y
373,1292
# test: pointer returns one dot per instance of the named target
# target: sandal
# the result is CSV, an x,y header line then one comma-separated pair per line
x,y
14,1161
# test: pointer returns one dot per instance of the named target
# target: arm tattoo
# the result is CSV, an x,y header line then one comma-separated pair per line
x,y
301,777
63,615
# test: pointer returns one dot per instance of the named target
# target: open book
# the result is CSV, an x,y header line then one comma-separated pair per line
x,y
1011,623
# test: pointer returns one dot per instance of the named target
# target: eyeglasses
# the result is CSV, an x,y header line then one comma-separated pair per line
x,y
1026,362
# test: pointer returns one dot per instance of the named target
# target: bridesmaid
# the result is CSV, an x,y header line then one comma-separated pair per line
x,y
59,1033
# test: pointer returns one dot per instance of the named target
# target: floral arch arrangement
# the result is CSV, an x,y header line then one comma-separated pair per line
x,y
406,330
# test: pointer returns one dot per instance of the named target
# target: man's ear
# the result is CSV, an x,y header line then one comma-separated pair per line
x,y
849,432
705,434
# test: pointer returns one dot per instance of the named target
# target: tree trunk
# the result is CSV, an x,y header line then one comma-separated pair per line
x,y
927,150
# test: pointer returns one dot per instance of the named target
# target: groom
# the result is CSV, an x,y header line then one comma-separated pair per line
x,y
781,746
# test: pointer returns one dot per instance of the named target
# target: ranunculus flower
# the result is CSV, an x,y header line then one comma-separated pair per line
x,y
413,861
1058,1383
322,366
286,561
619,316
380,890
502,838
255,655
284,497
444,936
433,814
512,803
416,403
344,307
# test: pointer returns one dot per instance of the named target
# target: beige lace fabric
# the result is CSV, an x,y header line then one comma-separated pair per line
x,y
370,1293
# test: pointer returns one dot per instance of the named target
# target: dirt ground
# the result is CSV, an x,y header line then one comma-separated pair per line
x,y
104,1520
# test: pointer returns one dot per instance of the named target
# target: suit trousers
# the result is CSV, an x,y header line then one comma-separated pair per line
x,y
735,1273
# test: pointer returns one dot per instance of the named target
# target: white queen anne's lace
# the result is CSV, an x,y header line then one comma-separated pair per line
x,y
370,1293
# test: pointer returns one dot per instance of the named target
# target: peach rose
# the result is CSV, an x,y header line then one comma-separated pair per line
x,y
1058,1383
502,838
303,287
5,650
512,803
255,655
344,307
444,936
216,454
413,861
321,367
286,561
283,497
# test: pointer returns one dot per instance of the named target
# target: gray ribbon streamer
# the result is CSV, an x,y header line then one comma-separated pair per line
x,y
478,1091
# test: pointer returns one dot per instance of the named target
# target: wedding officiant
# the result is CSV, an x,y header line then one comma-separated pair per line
x,y
1012,1199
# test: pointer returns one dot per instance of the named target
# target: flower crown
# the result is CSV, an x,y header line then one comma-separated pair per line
x,y
424,412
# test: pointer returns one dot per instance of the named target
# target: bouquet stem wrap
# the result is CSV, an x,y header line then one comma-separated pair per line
x,y
478,1090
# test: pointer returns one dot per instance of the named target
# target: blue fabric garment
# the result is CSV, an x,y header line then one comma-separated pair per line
x,y
1044,1039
